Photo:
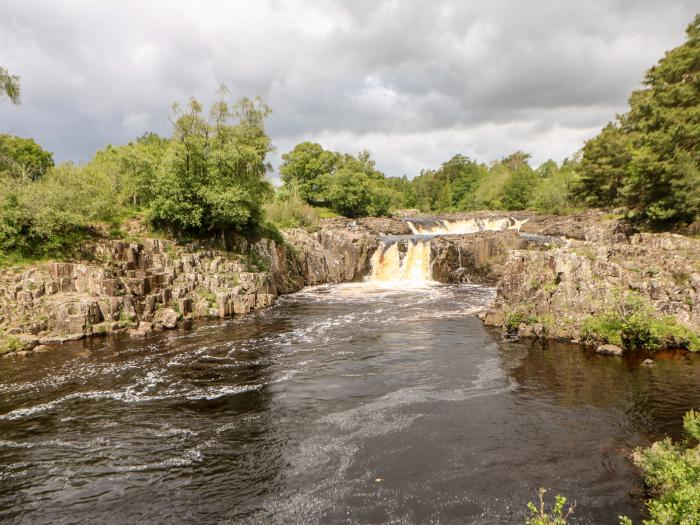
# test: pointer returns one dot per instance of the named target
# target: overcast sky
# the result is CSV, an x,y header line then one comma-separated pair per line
x,y
412,81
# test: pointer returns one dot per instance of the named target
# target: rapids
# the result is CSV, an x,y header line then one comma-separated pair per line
x,y
354,403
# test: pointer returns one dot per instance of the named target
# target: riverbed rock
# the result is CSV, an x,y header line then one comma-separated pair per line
x,y
166,318
609,350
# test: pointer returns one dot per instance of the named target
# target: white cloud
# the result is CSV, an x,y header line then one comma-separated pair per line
x,y
414,82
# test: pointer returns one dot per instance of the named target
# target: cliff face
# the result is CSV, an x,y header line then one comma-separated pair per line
x,y
566,284
473,258
558,269
135,288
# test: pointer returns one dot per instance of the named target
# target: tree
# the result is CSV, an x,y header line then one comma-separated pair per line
x,y
133,167
9,86
650,160
354,193
604,166
22,158
213,174
304,166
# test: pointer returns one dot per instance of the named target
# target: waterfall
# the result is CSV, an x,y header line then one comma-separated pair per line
x,y
462,226
389,264
406,261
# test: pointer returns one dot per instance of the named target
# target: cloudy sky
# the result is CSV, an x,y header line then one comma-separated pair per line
x,y
412,81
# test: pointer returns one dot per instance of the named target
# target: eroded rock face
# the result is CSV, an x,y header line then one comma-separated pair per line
x,y
472,258
331,255
140,287
567,284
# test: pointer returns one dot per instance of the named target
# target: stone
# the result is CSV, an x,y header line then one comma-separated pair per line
x,y
538,330
609,350
166,318
41,349
648,362
28,341
494,317
185,305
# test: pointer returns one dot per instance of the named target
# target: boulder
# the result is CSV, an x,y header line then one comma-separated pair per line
x,y
166,318
609,350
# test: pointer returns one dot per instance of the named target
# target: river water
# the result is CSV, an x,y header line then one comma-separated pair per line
x,y
341,404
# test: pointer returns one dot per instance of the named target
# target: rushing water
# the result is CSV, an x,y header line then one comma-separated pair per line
x,y
341,404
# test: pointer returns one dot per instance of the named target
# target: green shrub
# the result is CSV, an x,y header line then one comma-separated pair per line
x,y
672,474
289,210
10,344
559,515
514,319
633,323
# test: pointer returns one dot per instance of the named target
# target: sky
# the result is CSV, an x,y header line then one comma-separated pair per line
x,y
414,82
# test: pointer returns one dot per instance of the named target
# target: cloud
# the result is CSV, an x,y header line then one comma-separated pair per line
x,y
412,81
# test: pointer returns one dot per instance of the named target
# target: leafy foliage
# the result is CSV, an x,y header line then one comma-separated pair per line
x,y
23,159
649,160
349,185
288,210
633,323
672,474
558,515
208,178
212,176
9,86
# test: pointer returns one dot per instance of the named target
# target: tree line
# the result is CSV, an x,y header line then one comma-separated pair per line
x,y
210,175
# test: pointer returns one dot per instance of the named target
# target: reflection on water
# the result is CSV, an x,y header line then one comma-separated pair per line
x,y
349,403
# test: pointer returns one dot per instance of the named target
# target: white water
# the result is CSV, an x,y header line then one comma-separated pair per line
x,y
389,265
460,227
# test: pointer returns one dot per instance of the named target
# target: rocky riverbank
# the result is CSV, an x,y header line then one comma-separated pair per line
x,y
552,276
135,288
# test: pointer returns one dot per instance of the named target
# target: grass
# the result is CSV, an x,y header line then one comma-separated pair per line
x,y
10,344
206,294
290,211
634,324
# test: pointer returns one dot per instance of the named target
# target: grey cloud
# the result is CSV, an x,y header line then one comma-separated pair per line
x,y
412,81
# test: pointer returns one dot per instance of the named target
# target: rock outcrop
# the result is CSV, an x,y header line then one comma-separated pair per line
x,y
136,288
566,284
554,273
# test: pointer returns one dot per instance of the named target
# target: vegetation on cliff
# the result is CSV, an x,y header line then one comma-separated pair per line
x,y
210,175
648,161
634,323
207,178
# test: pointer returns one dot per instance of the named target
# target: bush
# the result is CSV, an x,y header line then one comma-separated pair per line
x,y
633,323
289,210
49,216
672,474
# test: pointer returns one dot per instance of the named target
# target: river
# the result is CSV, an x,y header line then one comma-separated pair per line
x,y
355,403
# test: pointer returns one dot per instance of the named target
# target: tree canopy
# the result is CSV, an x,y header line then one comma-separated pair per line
x,y
22,158
649,160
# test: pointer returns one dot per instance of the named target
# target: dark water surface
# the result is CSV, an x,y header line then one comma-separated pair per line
x,y
341,404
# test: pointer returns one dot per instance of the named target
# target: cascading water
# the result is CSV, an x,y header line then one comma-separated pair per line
x,y
389,264
392,264
462,226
